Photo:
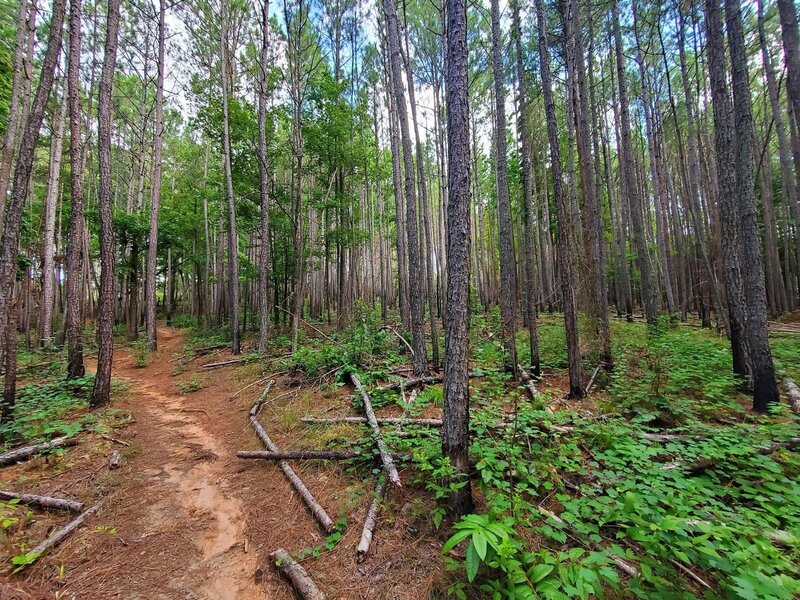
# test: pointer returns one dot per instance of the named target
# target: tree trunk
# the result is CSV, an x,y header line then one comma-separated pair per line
x,y
527,193
455,426
264,258
155,199
726,180
651,305
508,261
765,388
420,359
45,325
233,232
566,274
9,248
101,394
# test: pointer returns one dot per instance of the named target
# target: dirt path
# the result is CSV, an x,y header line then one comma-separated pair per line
x,y
179,529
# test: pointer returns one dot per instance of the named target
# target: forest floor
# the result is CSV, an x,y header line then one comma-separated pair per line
x,y
184,518
563,488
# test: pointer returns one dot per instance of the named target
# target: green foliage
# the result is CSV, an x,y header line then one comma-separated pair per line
x,y
192,384
44,410
708,499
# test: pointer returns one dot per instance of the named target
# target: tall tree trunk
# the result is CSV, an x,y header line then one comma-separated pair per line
x,y
101,393
155,198
508,261
455,422
73,322
9,247
45,325
264,258
726,180
233,233
420,359
765,389
651,305
527,193
654,154
566,273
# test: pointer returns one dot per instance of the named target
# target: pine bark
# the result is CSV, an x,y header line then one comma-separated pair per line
x,y
101,394
726,182
455,426
508,260
264,257
420,358
765,388
155,197
9,247
527,193
565,269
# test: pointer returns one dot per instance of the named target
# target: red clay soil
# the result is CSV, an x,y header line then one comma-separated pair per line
x,y
184,518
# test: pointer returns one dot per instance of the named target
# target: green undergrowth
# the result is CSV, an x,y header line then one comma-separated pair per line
x,y
56,407
567,497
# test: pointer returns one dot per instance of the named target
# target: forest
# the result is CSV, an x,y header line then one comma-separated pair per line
x,y
400,299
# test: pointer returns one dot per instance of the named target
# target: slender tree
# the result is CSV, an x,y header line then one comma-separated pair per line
x,y
508,260
263,169
101,393
765,389
455,426
566,273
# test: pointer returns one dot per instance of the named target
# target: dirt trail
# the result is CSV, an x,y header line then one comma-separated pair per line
x,y
180,529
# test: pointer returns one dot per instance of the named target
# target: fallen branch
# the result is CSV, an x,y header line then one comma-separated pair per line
x,y
19,454
115,440
362,420
371,520
592,378
297,455
224,363
257,381
59,535
297,575
43,501
386,457
316,509
402,339
623,565
410,383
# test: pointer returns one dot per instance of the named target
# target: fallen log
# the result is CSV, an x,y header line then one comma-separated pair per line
x,y
386,457
43,501
370,521
59,535
316,509
410,383
298,455
115,440
362,420
793,392
19,454
296,574
224,363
